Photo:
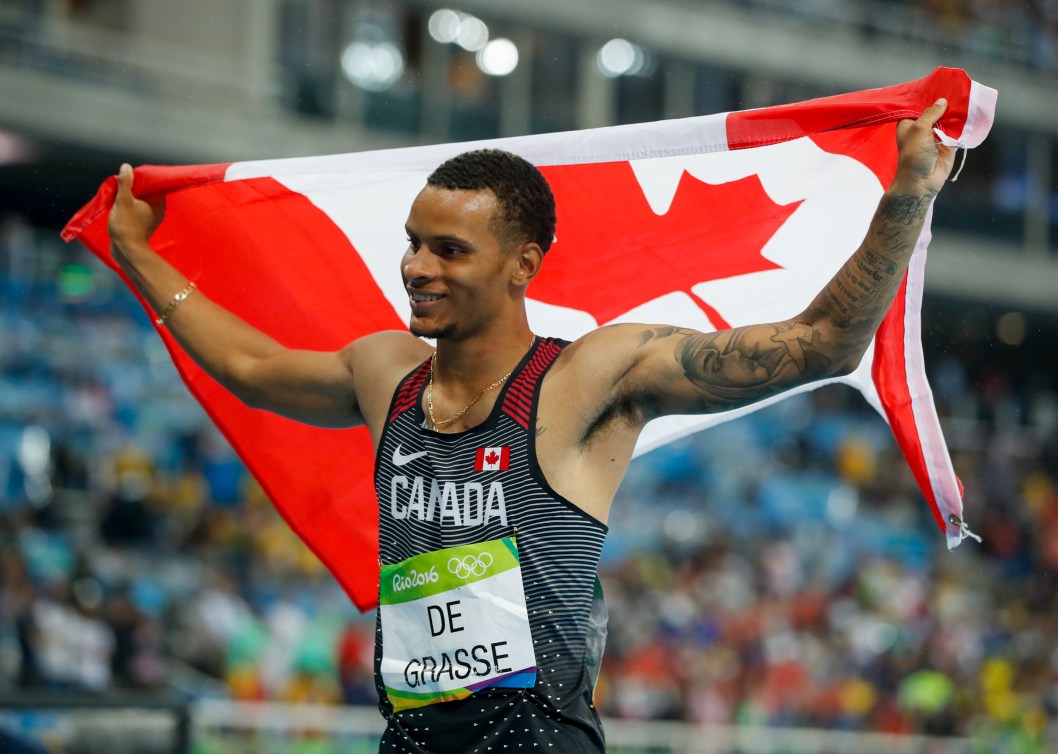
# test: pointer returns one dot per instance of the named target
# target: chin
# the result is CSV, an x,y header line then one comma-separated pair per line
x,y
431,331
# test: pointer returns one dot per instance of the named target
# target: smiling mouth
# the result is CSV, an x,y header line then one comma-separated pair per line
x,y
420,297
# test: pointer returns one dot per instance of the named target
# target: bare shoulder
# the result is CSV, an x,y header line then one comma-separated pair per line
x,y
379,362
586,424
608,353
588,377
386,345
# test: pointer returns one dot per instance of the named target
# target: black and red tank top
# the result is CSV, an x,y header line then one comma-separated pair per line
x,y
444,501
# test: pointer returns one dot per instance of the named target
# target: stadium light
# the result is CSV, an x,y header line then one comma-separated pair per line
x,y
498,58
449,26
619,57
444,25
1010,328
374,66
473,34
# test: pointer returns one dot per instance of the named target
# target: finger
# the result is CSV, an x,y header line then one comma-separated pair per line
x,y
933,113
158,211
946,158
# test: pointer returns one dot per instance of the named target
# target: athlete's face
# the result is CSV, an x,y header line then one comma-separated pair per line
x,y
455,269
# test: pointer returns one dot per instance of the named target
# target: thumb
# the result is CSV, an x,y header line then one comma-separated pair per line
x,y
933,113
125,180
925,122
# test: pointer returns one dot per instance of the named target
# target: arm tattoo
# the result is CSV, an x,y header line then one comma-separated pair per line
x,y
905,210
860,293
734,367
878,262
664,331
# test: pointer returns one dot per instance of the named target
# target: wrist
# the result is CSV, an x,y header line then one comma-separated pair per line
x,y
128,252
910,187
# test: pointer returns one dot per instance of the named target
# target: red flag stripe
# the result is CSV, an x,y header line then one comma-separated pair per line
x,y
152,182
771,125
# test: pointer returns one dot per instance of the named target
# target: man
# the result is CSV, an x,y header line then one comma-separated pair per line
x,y
499,453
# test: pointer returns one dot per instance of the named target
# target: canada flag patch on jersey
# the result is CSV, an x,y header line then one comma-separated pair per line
x,y
492,459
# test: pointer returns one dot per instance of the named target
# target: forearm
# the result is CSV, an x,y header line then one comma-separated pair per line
x,y
310,386
221,343
718,371
850,308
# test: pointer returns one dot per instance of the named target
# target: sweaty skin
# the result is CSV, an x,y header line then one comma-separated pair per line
x,y
467,287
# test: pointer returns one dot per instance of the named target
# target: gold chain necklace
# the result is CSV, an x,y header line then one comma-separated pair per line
x,y
429,391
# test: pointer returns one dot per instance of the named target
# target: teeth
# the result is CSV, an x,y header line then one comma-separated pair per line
x,y
423,297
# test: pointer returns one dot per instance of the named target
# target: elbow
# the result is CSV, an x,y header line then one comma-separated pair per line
x,y
847,364
250,398
238,378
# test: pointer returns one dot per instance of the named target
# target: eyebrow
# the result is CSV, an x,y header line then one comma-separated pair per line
x,y
440,239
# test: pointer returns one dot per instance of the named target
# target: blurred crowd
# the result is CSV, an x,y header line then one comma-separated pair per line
x,y
836,606
779,570
1023,32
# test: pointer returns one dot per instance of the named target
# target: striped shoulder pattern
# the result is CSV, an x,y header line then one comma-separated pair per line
x,y
408,391
518,402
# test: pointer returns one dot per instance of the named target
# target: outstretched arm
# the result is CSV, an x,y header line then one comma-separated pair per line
x,y
677,370
314,387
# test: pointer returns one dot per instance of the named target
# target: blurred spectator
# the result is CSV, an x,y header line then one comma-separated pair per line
x,y
356,664
70,645
138,659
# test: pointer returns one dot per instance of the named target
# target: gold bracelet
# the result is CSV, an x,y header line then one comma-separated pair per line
x,y
178,299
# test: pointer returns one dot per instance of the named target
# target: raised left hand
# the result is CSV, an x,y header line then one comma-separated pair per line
x,y
923,161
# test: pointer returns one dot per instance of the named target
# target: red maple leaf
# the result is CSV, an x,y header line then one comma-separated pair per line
x,y
491,458
614,253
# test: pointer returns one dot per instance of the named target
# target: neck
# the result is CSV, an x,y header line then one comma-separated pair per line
x,y
440,424
465,366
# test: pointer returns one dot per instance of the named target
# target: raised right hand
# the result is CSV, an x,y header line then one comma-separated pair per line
x,y
132,221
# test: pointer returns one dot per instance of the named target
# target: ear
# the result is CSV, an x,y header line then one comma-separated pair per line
x,y
528,258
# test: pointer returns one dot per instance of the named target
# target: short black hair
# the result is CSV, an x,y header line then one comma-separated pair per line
x,y
528,206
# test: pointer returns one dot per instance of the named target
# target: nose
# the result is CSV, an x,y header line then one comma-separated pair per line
x,y
416,266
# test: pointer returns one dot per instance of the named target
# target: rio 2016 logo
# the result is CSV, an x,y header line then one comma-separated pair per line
x,y
470,565
414,578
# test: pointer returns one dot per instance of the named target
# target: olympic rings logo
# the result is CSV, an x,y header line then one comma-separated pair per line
x,y
470,565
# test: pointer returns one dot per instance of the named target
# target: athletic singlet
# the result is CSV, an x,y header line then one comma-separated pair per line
x,y
461,516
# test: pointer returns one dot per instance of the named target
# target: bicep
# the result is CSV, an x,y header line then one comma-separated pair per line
x,y
313,387
681,371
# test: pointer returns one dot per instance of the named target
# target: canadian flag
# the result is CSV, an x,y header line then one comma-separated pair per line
x,y
492,459
707,222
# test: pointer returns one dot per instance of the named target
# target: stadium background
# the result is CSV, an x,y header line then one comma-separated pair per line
x,y
775,584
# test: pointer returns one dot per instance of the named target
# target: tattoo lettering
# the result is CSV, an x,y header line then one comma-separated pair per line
x,y
856,281
867,270
837,307
905,210
849,295
880,262
893,239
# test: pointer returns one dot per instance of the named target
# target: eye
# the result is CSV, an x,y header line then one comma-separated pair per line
x,y
414,243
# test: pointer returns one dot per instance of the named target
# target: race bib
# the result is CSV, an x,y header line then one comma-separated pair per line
x,y
454,621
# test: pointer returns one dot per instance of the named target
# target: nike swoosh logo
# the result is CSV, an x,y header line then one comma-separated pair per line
x,y
400,460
